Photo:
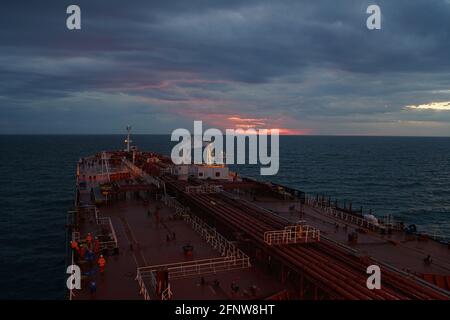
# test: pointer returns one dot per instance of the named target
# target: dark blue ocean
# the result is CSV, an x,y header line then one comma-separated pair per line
x,y
407,177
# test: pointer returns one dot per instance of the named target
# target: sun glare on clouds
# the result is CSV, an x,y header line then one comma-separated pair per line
x,y
435,106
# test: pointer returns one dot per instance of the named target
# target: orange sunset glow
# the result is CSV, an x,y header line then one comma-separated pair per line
x,y
238,122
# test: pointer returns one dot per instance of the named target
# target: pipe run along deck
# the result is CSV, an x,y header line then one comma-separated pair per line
x,y
276,255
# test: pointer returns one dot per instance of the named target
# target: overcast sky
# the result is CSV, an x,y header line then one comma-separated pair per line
x,y
306,67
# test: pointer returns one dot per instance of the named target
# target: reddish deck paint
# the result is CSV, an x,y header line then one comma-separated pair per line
x,y
329,269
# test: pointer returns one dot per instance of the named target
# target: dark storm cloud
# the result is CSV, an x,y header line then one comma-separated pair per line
x,y
312,61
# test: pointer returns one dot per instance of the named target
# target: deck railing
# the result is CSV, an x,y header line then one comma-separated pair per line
x,y
332,211
173,203
203,189
142,287
101,221
75,236
112,244
292,234
166,294
211,236
182,270
141,173
232,259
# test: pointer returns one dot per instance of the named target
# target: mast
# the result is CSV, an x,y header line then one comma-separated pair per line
x,y
128,140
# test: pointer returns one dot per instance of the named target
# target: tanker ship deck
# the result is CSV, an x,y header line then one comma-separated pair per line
x,y
203,232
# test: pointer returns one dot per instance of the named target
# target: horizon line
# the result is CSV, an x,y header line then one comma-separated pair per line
x,y
168,134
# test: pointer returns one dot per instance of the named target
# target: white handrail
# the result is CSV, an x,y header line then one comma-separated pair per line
x,y
292,234
232,259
